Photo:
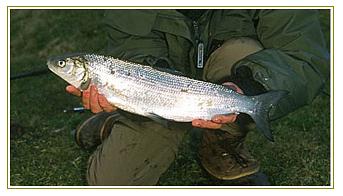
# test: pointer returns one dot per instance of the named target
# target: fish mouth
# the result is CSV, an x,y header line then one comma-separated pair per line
x,y
52,68
50,64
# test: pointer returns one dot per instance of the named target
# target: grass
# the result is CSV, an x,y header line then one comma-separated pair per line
x,y
46,154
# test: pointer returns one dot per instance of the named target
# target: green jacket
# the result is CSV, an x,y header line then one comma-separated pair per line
x,y
294,58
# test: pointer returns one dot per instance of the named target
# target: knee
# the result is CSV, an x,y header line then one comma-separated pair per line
x,y
222,60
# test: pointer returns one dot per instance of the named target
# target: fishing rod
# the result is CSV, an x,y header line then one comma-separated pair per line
x,y
29,74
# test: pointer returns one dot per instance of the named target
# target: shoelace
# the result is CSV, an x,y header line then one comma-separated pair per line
x,y
230,149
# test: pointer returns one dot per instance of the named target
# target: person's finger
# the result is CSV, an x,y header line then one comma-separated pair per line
x,y
94,100
222,119
105,104
73,90
206,124
234,87
85,99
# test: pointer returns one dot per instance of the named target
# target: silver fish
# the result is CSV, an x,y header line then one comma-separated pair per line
x,y
153,93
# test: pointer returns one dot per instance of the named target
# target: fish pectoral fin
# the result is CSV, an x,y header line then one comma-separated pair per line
x,y
226,114
158,119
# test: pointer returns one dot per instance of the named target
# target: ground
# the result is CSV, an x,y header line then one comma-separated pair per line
x,y
43,152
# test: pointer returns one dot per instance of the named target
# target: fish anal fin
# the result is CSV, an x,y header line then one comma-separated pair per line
x,y
158,119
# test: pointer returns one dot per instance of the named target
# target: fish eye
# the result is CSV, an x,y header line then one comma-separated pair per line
x,y
61,63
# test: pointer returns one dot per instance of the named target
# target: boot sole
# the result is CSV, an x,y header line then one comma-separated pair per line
x,y
243,174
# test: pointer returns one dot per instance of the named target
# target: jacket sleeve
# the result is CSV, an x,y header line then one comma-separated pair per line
x,y
294,57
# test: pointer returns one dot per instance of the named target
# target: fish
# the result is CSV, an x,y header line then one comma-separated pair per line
x,y
158,94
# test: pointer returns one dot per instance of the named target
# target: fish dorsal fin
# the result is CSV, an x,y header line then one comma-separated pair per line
x,y
171,71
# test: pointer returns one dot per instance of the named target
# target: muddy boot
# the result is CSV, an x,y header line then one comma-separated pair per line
x,y
224,155
95,129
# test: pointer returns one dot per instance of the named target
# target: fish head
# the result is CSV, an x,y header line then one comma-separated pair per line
x,y
73,69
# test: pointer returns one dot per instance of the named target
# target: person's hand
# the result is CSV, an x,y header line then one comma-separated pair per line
x,y
91,99
217,121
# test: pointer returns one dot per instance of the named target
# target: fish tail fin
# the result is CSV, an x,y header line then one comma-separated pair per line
x,y
261,117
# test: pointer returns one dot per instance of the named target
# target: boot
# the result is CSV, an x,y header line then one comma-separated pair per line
x,y
95,129
224,155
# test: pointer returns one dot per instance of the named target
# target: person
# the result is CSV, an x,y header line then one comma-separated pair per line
x,y
250,51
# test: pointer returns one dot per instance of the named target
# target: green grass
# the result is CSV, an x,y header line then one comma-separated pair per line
x,y
46,154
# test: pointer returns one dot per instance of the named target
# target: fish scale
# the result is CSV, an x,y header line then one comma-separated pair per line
x,y
146,91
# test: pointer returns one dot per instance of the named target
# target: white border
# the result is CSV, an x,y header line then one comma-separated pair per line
x,y
3,14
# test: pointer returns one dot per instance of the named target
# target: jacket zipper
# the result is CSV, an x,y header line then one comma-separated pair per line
x,y
199,45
